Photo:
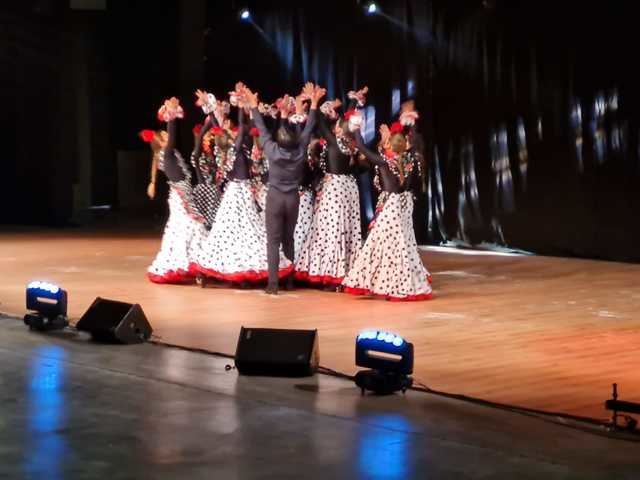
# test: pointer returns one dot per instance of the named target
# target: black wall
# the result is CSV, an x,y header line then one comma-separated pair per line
x,y
516,69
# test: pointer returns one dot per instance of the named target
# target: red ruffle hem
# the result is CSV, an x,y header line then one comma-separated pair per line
x,y
318,279
172,276
239,277
408,298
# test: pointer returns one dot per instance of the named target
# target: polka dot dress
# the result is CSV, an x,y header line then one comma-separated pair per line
x,y
180,241
207,200
335,237
235,249
305,216
389,264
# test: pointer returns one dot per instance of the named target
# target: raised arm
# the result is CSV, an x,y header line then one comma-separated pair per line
x,y
370,155
315,93
171,168
242,129
206,126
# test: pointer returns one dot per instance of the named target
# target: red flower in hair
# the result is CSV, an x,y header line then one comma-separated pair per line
x,y
396,127
147,135
349,114
197,129
255,132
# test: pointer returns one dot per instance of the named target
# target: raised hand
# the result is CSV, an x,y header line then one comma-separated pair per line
x,y
385,135
301,108
206,101
359,95
316,95
308,89
337,103
250,98
170,110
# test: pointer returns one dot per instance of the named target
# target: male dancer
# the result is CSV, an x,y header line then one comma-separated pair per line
x,y
286,156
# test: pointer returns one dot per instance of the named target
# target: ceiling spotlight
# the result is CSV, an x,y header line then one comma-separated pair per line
x,y
371,8
245,14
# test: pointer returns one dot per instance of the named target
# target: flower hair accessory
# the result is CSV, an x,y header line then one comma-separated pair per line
x,y
170,110
297,118
273,111
209,105
234,98
147,135
355,120
254,132
327,109
396,127
408,119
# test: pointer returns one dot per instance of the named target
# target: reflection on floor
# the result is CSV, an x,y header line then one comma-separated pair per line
x,y
70,408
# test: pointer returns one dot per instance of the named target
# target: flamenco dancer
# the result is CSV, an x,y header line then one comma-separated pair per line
x,y
207,192
185,227
389,264
235,249
286,156
335,236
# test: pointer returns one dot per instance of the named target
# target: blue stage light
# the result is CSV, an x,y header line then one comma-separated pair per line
x,y
389,358
385,351
48,303
245,14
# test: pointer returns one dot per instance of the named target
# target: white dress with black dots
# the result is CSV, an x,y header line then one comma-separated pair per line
x,y
303,224
335,237
207,199
389,264
181,239
235,249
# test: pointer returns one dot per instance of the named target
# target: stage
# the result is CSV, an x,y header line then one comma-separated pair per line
x,y
540,332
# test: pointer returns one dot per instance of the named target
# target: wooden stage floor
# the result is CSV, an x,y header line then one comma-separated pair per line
x,y
540,332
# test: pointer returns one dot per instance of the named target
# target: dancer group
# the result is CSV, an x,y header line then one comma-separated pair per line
x,y
274,198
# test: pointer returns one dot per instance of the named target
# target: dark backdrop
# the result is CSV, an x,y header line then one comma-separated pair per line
x,y
529,108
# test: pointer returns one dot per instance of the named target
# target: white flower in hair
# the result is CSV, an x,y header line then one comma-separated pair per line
x,y
210,105
408,119
273,111
327,109
355,121
297,118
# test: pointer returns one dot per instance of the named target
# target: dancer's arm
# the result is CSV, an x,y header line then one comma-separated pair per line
x,y
315,93
151,188
242,129
369,154
171,168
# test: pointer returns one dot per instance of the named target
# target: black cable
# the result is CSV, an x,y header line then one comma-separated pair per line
x,y
423,388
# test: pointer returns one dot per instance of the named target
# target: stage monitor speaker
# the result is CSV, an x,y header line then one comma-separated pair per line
x,y
277,352
115,322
